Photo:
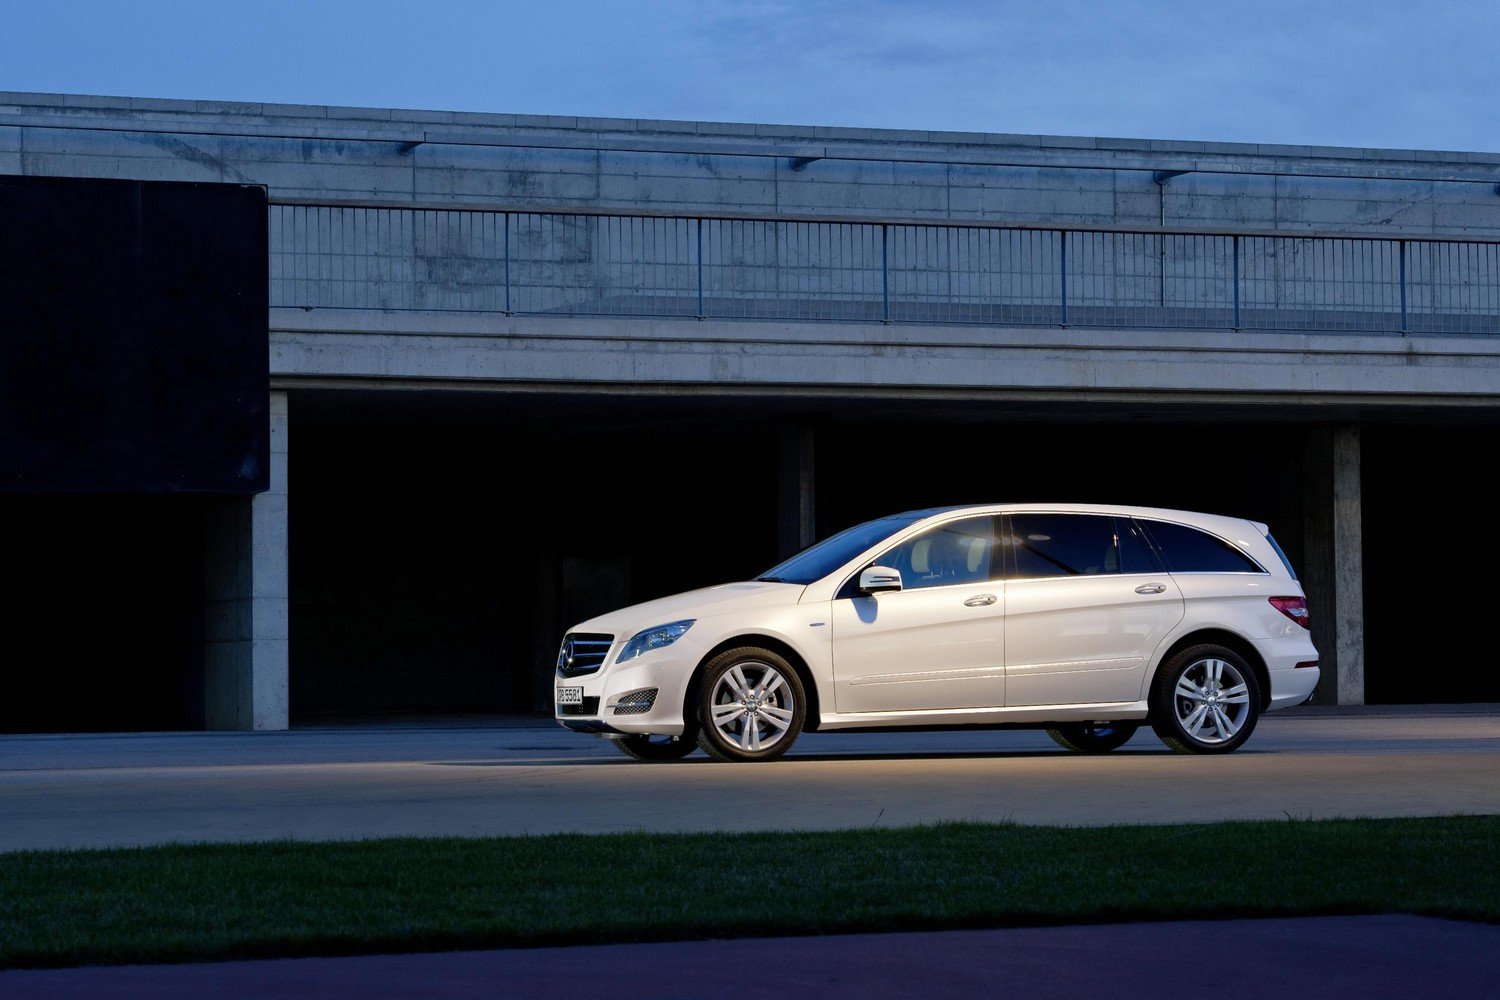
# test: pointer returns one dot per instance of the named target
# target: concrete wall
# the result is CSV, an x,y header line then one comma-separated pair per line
x,y
336,255
351,154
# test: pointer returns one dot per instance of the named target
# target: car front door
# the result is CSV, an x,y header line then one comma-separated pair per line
x,y
938,643
1087,603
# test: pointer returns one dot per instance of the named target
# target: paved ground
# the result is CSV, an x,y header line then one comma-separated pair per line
x,y
58,791
1367,957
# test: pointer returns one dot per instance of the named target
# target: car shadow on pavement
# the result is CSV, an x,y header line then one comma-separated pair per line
x,y
819,758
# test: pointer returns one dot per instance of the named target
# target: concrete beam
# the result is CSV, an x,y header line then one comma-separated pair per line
x,y
245,577
713,354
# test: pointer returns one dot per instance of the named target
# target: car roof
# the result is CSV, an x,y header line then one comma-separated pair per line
x,y
1220,523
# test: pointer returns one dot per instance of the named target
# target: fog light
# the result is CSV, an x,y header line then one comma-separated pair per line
x,y
636,702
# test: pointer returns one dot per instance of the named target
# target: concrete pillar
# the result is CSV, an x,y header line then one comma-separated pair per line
x,y
796,523
1334,573
245,576
546,627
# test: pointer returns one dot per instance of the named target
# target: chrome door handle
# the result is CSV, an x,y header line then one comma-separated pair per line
x,y
981,601
1151,588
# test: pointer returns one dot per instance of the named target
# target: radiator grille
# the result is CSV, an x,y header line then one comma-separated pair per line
x,y
582,653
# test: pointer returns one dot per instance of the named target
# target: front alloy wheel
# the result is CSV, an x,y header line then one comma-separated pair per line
x,y
750,706
1206,699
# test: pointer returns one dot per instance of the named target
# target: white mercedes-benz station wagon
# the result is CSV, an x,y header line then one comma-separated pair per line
x,y
1079,619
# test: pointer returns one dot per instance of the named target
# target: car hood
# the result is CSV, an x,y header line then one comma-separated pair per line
x,y
694,604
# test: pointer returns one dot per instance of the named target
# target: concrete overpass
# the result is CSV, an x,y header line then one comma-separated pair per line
x,y
488,329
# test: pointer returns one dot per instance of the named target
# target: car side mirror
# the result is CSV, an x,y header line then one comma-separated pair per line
x,y
875,579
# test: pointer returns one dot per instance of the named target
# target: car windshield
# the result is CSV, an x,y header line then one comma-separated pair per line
x,y
817,561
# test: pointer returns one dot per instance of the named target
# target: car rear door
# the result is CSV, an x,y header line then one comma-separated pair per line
x,y
1087,603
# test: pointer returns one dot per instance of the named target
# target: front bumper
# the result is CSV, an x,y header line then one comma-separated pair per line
x,y
667,670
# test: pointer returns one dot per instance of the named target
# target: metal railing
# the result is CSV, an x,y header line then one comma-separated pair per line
x,y
599,264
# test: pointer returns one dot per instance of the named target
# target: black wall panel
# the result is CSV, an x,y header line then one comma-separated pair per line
x,y
1428,584
103,613
434,567
133,337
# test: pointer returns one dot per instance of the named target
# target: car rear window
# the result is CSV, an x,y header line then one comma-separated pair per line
x,y
1282,556
1188,550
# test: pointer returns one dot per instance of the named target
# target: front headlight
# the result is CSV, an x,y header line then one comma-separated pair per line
x,y
654,638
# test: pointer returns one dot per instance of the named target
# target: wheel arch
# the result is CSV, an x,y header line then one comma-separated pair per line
x,y
1229,640
781,648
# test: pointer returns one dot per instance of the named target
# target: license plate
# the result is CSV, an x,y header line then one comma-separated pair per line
x,y
570,696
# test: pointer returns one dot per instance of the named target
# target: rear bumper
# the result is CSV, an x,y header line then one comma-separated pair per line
x,y
1290,684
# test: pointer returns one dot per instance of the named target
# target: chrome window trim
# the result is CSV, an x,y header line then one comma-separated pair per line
x,y
1002,510
1083,576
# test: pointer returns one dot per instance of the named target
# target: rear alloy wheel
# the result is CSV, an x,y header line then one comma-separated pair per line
x,y
1093,737
1206,699
751,706
647,746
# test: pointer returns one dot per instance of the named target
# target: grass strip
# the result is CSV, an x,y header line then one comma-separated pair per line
x,y
221,901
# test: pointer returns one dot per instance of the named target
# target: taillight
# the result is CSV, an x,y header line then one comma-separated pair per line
x,y
1294,608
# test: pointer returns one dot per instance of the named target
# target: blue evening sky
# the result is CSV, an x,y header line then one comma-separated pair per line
x,y
1371,73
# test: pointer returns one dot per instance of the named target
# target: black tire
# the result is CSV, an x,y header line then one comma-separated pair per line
x,y
1169,704
788,700
656,748
1093,737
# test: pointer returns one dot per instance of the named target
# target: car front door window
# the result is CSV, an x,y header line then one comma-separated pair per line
x,y
954,553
